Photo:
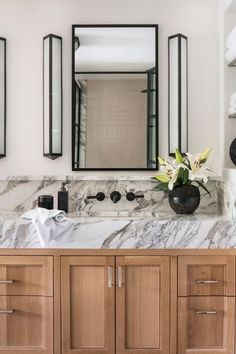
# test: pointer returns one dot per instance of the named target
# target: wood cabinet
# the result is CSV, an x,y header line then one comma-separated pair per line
x,y
142,305
88,305
141,291
206,305
206,325
26,305
117,302
203,275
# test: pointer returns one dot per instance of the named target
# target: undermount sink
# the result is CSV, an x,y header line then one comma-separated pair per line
x,y
118,214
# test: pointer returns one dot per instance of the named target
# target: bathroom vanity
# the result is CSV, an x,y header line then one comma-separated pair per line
x,y
123,301
148,283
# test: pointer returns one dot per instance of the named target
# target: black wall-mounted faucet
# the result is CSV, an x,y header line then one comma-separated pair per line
x,y
115,196
130,196
100,196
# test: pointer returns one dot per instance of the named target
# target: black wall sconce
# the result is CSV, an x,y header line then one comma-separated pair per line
x,y
52,96
178,93
2,97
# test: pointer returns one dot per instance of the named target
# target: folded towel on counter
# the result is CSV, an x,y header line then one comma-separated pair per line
x,y
50,225
232,110
231,38
230,55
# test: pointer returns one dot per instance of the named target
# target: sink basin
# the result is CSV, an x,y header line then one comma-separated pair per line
x,y
118,214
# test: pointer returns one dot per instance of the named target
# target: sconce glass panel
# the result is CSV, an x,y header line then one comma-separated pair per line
x,y
52,96
2,97
178,93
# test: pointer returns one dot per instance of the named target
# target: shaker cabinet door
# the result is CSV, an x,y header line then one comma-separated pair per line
x,y
142,305
26,325
206,325
88,307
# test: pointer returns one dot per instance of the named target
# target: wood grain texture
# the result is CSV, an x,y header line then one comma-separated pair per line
x,y
57,305
29,329
31,275
217,268
142,305
115,252
206,333
88,305
173,304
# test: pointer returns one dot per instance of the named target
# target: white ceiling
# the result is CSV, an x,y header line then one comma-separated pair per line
x,y
115,49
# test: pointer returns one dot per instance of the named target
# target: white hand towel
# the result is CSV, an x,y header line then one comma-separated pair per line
x,y
230,55
232,110
50,224
231,38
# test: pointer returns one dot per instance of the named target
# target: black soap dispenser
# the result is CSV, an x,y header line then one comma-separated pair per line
x,y
63,198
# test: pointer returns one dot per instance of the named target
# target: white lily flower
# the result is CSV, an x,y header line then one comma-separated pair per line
x,y
171,171
197,170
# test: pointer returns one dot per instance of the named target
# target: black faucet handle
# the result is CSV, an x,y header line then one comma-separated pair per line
x,y
115,196
131,196
100,196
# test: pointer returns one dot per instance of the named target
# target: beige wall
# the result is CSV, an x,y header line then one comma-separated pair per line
x,y
116,123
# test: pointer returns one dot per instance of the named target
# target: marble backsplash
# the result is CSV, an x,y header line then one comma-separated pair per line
x,y
19,194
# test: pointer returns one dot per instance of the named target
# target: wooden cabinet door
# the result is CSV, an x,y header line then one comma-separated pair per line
x,y
206,325
26,325
142,305
26,275
88,305
205,276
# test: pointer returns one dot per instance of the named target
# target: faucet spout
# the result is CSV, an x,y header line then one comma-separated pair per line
x,y
115,196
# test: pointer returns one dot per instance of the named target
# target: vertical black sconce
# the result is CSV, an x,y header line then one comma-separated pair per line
x,y
52,96
178,93
2,97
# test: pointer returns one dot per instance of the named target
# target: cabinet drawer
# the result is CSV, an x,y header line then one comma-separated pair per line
x,y
206,324
26,324
23,275
203,275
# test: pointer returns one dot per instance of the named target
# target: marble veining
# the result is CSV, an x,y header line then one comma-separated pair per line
x,y
163,232
144,223
20,195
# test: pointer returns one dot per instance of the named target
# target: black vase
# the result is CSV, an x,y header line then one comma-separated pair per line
x,y
184,199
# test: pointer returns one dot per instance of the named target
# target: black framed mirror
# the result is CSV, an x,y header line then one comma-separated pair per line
x,y
114,97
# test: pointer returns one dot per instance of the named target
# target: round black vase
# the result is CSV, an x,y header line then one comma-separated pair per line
x,y
184,199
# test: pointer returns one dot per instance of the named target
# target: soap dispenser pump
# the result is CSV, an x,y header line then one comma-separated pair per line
x,y
63,198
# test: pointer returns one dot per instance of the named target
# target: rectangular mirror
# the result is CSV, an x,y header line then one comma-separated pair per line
x,y
114,97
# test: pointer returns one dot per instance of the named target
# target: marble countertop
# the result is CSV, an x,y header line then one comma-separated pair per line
x,y
162,231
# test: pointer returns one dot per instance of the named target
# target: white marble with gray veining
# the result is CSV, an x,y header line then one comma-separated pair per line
x,y
144,223
163,232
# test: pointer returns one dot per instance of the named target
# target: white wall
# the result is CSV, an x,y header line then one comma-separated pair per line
x,y
25,22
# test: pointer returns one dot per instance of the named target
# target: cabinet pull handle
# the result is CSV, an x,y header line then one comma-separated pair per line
x,y
6,282
206,312
119,277
6,312
110,277
207,281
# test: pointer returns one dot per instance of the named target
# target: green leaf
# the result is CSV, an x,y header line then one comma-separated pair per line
x,y
162,187
162,178
203,187
178,156
183,176
161,161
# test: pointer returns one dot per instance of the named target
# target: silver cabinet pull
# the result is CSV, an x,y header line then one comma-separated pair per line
x,y
119,277
207,281
206,312
6,282
110,277
6,312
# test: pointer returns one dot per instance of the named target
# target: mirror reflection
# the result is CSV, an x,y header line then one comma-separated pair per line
x,y
114,97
